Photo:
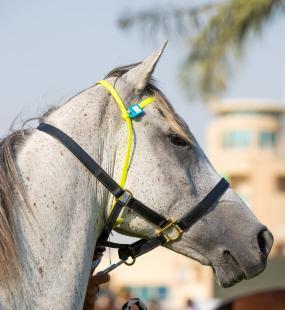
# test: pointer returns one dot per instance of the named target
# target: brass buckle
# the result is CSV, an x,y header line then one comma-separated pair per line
x,y
171,225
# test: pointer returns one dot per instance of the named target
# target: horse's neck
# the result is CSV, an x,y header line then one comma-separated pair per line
x,y
58,237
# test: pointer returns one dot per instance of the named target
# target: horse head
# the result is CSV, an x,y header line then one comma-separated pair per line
x,y
170,173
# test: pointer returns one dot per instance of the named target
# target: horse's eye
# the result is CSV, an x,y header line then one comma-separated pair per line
x,y
177,140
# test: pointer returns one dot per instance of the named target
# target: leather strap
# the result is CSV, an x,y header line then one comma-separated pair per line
x,y
136,206
147,213
141,247
111,221
84,157
196,212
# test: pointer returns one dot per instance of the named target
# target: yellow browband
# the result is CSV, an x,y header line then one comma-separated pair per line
x,y
127,118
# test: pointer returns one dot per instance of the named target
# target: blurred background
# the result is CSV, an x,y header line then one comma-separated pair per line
x,y
223,71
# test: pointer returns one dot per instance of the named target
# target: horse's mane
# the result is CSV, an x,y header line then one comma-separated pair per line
x,y
11,187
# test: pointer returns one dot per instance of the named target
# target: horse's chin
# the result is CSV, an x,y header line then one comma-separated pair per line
x,y
226,277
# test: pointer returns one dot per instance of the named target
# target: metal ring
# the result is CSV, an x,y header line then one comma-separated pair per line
x,y
128,191
131,263
126,196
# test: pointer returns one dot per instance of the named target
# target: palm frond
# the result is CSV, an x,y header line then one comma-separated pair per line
x,y
207,67
212,47
168,21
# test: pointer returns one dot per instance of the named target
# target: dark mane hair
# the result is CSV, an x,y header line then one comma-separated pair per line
x,y
10,187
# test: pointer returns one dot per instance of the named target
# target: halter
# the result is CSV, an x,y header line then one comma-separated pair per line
x,y
168,230
133,111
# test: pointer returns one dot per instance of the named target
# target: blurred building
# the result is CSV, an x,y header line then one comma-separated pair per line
x,y
246,145
165,276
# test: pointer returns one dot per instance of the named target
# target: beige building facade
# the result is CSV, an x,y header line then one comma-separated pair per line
x,y
165,276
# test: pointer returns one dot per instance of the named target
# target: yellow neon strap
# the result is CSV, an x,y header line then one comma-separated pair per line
x,y
117,98
146,102
127,119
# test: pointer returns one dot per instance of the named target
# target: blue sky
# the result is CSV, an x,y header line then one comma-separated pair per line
x,y
52,49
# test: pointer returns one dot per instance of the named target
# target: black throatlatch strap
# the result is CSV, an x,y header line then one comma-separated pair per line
x,y
85,158
142,246
111,221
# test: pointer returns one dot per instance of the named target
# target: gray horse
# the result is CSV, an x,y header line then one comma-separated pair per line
x,y
53,209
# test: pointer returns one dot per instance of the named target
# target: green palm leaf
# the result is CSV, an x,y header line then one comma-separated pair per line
x,y
213,47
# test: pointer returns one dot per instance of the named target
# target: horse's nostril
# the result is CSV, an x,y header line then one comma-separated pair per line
x,y
261,243
264,240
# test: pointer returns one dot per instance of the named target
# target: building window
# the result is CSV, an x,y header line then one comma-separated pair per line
x,y
281,184
267,139
237,139
148,293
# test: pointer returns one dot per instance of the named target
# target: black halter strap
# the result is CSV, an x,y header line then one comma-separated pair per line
x,y
166,227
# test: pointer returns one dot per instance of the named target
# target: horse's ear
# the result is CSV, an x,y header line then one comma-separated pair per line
x,y
139,76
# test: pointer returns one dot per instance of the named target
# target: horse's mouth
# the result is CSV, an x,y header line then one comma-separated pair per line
x,y
227,277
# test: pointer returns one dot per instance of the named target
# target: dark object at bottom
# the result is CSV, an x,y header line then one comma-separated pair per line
x,y
134,302
263,300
